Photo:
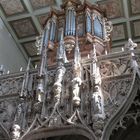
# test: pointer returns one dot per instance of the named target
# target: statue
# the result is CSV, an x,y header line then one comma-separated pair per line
x,y
76,82
61,57
97,97
20,118
16,132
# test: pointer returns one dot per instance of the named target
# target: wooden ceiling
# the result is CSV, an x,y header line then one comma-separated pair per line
x,y
24,20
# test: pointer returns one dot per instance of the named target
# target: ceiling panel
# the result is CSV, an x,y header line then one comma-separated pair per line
x,y
42,19
24,27
134,6
114,8
119,32
138,45
37,4
135,27
30,48
12,7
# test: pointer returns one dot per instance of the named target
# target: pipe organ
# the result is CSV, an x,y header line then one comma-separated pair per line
x,y
83,19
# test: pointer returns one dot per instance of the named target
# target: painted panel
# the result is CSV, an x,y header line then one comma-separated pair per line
x,y
119,32
37,4
136,25
138,45
24,27
12,7
42,19
134,7
113,8
30,48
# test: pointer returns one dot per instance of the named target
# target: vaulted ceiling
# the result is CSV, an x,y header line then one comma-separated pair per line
x,y
25,18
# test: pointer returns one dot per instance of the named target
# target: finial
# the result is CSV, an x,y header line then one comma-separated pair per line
x,y
94,50
8,72
105,52
35,66
131,45
21,68
93,54
28,66
47,26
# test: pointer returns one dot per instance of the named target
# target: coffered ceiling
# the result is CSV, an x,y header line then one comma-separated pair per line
x,y
25,18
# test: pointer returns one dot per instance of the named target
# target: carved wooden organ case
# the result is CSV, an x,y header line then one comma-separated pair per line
x,y
79,88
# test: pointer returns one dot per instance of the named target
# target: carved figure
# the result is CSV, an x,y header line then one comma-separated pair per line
x,y
16,132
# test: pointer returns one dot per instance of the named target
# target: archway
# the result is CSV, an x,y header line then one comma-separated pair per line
x,y
130,123
68,137
131,132
60,133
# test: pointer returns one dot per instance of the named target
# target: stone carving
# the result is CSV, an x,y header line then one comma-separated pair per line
x,y
115,67
115,92
38,43
97,100
108,27
20,117
16,132
131,45
7,111
76,82
132,115
61,57
10,86
43,68
24,89
134,64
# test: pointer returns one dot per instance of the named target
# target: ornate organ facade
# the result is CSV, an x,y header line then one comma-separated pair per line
x,y
80,90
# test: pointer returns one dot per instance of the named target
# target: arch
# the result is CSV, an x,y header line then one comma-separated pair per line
x,y
131,132
68,137
123,109
42,133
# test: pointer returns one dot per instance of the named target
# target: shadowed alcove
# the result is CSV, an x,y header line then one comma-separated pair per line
x,y
130,129
68,137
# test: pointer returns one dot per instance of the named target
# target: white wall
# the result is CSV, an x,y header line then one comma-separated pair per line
x,y
10,55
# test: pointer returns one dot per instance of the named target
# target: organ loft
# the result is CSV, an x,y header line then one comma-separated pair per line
x,y
80,90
